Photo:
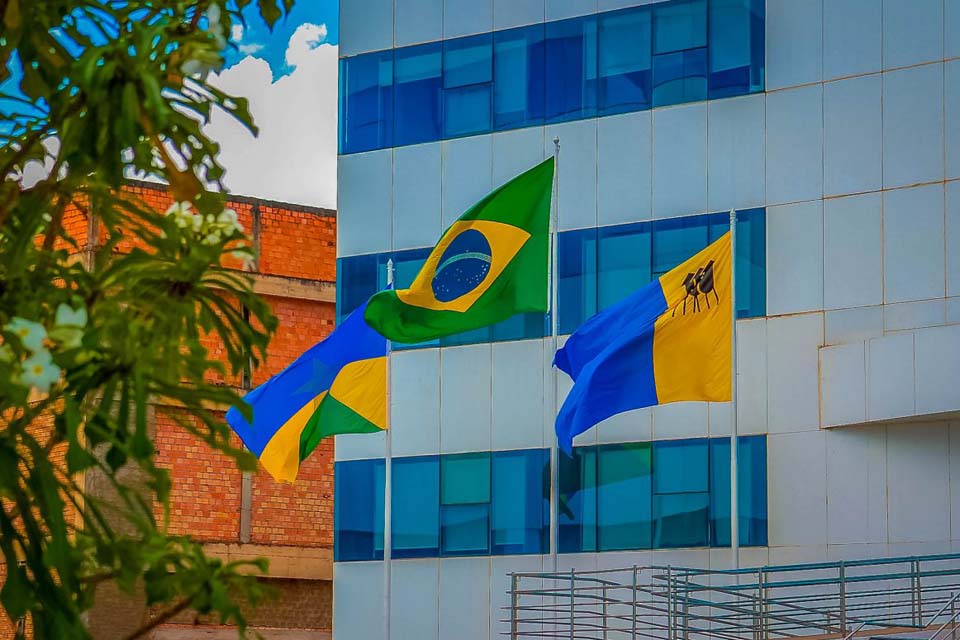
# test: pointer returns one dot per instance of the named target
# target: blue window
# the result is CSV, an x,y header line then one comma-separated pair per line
x,y
577,501
680,52
625,60
467,85
417,81
416,526
366,106
624,260
571,69
681,496
736,47
518,89
751,490
576,277
358,510
521,502
465,504
624,482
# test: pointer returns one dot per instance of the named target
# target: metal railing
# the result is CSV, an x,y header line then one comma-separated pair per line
x,y
822,600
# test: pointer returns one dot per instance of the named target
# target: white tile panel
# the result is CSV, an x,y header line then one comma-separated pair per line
x,y
515,13
416,195
954,435
852,251
752,383
937,369
718,418
792,378
951,29
912,32
852,325
780,555
952,240
358,582
516,151
914,315
466,17
365,25
500,568
913,125
467,171
852,38
577,174
624,166
853,134
857,485
735,144
843,384
679,160
951,88
465,398
794,42
364,215
913,261
360,446
797,497
559,9
414,596
795,258
890,377
953,310
795,144
415,402
464,598
517,401
631,426
918,472
417,21
680,420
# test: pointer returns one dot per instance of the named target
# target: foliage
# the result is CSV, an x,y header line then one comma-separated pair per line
x,y
91,347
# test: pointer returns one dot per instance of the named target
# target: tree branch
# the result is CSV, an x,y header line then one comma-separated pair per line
x,y
180,607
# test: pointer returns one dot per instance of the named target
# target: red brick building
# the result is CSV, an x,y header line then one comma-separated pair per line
x,y
238,515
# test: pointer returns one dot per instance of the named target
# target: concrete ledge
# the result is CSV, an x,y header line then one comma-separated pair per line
x,y
302,563
288,287
196,632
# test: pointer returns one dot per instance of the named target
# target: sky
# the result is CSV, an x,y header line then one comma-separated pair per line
x,y
290,77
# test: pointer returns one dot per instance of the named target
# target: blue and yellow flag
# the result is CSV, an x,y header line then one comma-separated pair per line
x,y
668,342
338,386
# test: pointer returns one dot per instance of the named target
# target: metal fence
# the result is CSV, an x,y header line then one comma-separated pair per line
x,y
823,600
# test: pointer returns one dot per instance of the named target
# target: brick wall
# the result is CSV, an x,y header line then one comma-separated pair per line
x,y
295,272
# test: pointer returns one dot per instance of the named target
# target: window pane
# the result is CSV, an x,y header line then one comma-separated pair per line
x,y
466,110
356,281
676,240
681,520
466,530
366,102
680,466
577,510
680,77
679,25
417,94
577,277
624,258
751,252
358,505
623,500
751,487
521,501
624,54
571,69
736,47
416,527
518,97
467,74
465,479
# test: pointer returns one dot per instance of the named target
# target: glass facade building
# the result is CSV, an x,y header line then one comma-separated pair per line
x,y
831,127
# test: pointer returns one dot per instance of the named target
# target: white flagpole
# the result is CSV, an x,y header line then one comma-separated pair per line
x,y
388,492
734,488
554,329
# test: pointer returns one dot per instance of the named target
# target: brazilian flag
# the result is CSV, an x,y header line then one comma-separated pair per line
x,y
489,265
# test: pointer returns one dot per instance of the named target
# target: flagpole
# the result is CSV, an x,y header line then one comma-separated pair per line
x,y
554,331
734,444
388,491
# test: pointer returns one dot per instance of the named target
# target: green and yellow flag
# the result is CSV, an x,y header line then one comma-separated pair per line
x,y
489,265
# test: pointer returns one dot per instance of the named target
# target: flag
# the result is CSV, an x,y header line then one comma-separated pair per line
x,y
490,264
338,386
669,341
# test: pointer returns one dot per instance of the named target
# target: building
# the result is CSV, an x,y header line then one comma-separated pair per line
x,y
249,515
831,126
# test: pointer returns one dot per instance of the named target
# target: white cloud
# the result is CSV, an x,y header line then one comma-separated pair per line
x,y
236,32
250,48
294,159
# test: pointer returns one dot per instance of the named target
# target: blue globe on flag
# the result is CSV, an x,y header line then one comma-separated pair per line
x,y
463,266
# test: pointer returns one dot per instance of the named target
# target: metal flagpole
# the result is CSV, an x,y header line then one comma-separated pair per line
x,y
554,327
388,491
734,488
